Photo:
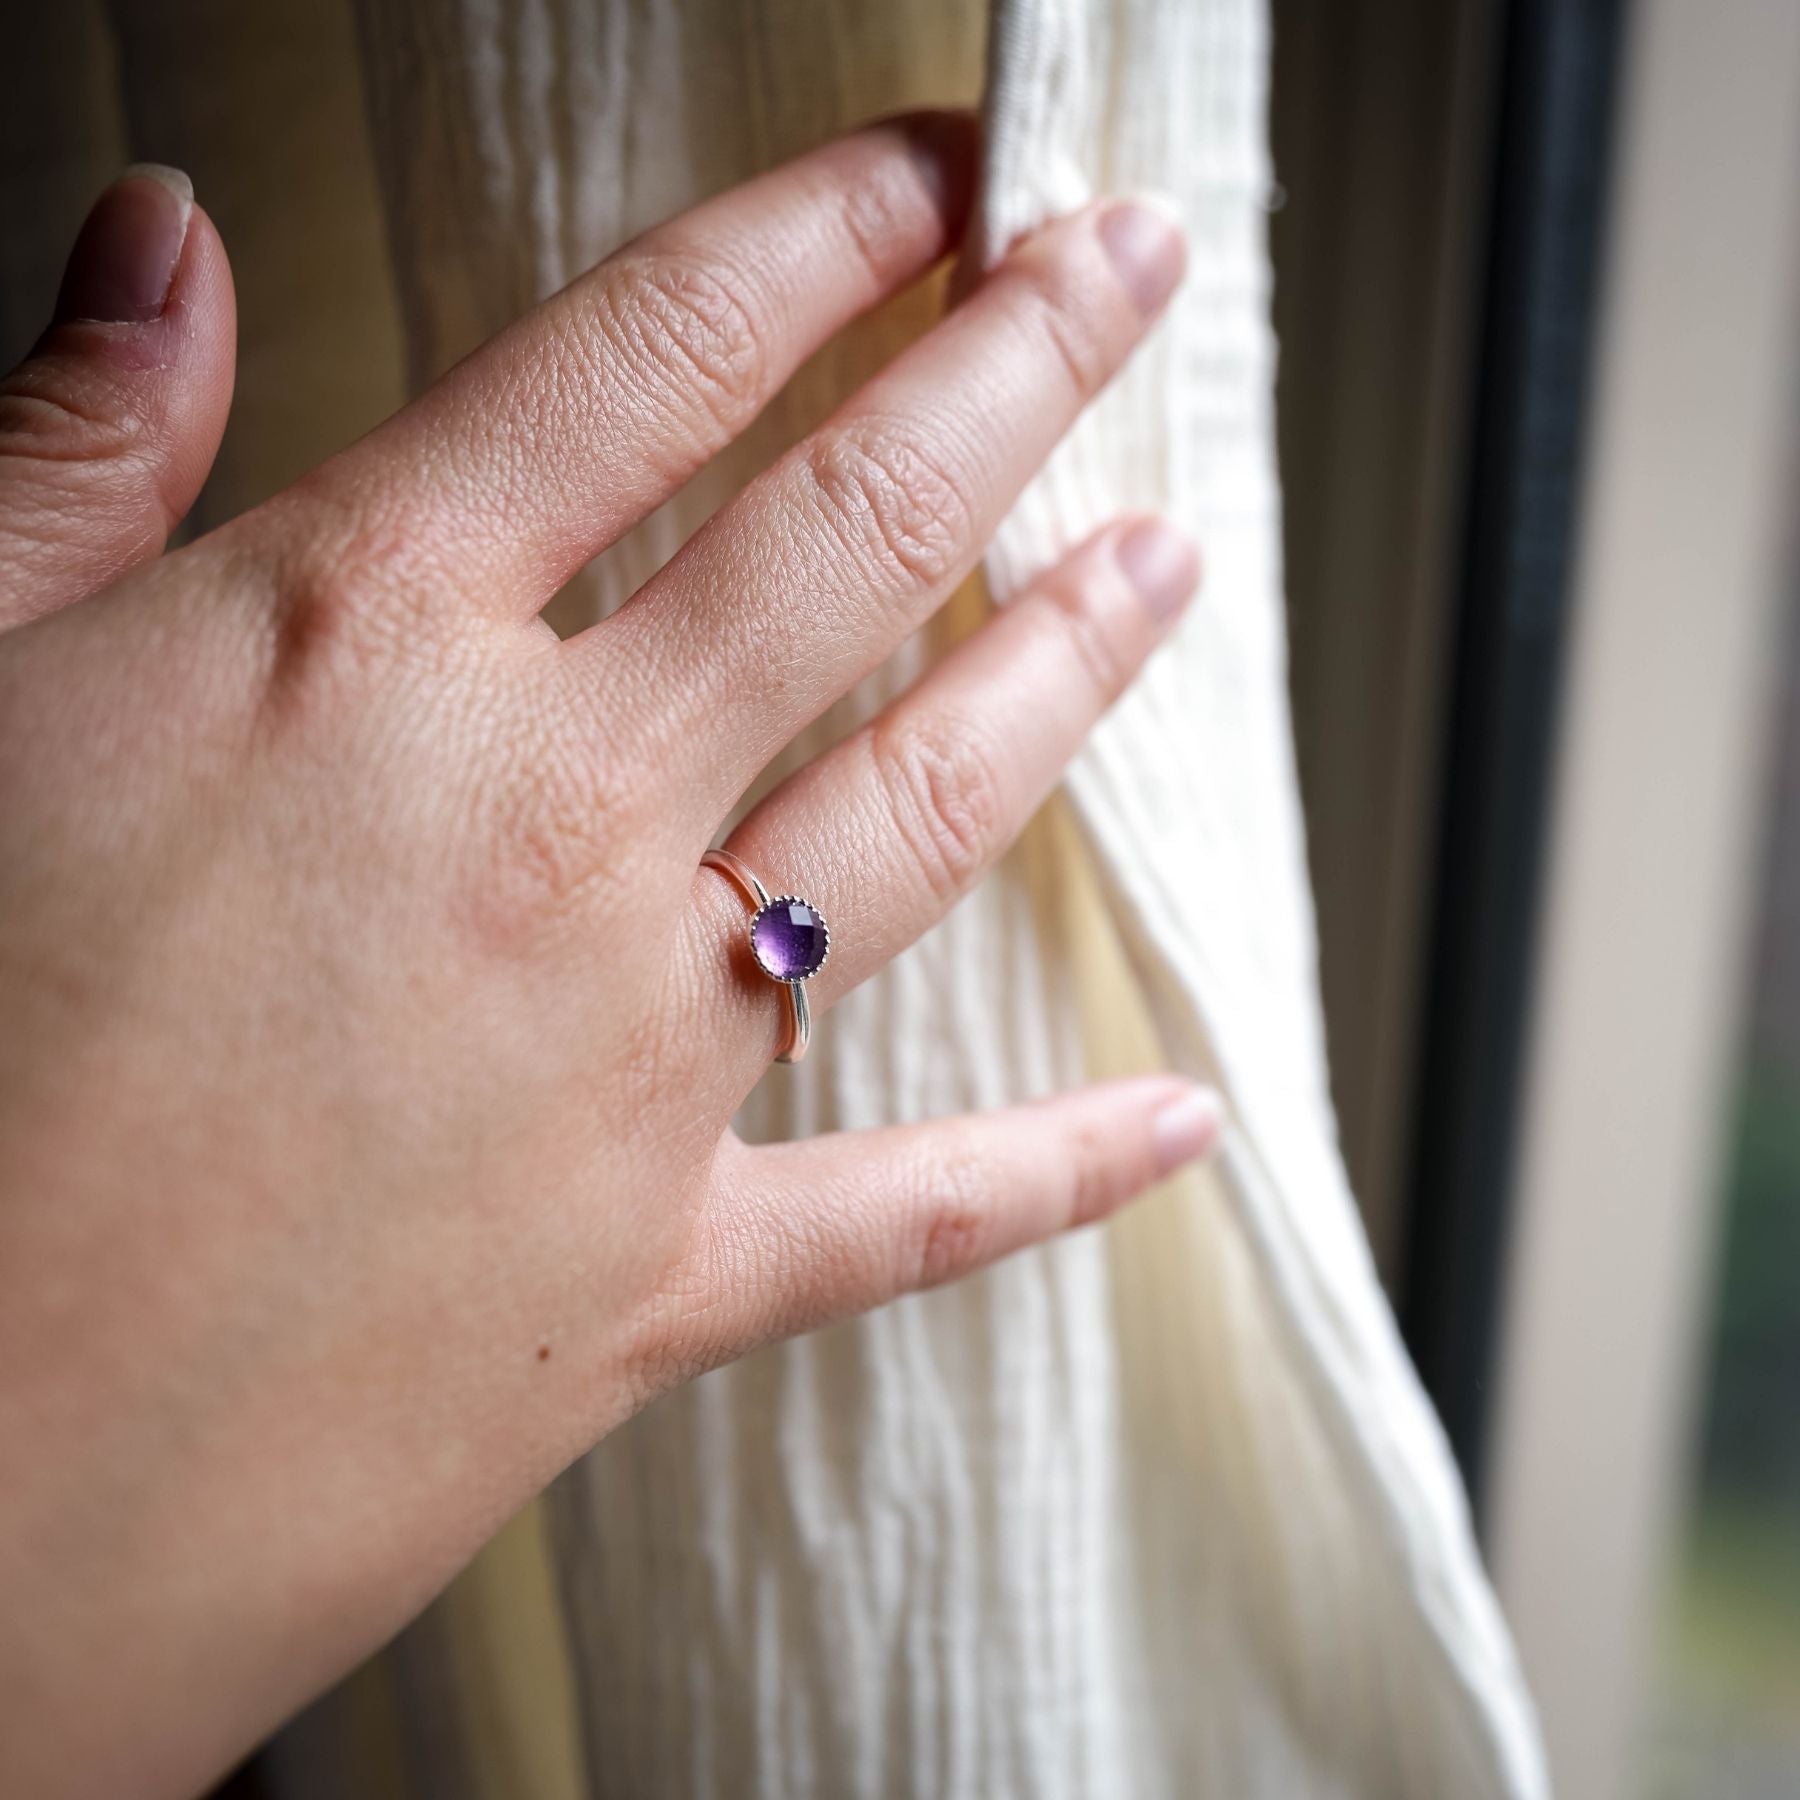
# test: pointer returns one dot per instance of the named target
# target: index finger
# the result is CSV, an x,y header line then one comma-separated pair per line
x,y
555,437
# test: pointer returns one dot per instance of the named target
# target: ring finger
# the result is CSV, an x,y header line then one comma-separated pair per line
x,y
891,827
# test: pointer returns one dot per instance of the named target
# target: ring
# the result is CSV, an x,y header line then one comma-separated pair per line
x,y
789,942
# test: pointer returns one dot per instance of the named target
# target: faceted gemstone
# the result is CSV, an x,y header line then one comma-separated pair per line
x,y
787,938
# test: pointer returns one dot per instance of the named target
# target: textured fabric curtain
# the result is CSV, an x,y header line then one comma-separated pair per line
x,y
1156,1511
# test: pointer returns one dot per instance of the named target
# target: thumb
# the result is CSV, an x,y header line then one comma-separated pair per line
x,y
109,427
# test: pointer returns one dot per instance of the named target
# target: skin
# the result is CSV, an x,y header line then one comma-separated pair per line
x,y
355,1175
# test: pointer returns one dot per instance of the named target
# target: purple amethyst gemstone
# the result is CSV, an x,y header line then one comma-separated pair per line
x,y
788,939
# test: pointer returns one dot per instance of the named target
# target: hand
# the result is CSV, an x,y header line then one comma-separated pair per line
x,y
370,1033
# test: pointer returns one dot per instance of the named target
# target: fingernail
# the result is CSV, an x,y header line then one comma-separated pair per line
x,y
1162,564
1145,244
123,263
1185,1129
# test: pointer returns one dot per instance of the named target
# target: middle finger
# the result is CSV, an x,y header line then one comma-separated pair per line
x,y
831,558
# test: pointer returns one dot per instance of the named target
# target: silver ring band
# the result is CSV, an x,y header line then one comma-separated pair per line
x,y
789,942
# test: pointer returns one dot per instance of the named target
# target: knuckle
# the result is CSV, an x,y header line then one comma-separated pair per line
x,y
877,217
954,1228
1067,324
1096,1185
892,501
342,612
52,420
681,323
62,452
946,796
1105,660
314,651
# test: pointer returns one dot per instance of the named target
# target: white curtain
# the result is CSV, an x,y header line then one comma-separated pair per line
x,y
1156,1511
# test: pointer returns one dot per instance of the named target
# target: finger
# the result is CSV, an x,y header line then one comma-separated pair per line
x,y
803,1233
108,429
887,830
821,567
558,435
